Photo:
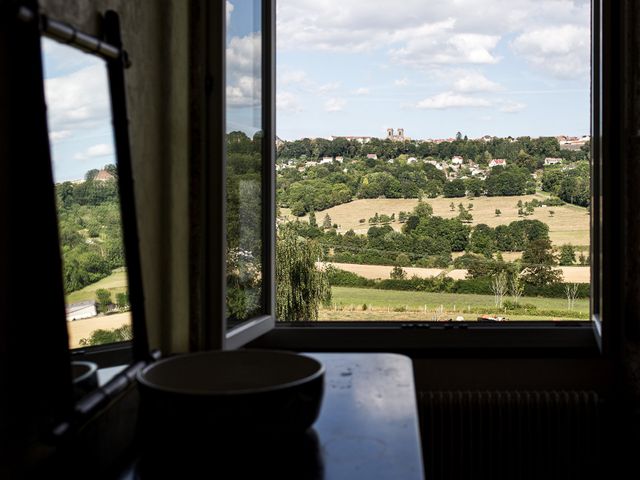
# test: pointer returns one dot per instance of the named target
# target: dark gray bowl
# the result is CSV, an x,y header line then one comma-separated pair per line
x,y
222,394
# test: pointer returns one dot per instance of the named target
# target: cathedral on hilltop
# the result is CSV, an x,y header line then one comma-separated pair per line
x,y
396,138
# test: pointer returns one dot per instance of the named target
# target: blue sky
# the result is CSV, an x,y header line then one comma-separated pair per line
x,y
78,111
356,67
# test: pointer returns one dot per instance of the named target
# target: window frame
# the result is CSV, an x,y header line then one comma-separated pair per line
x,y
213,330
524,338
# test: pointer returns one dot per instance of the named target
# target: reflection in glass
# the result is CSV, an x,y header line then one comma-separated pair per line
x,y
244,162
88,203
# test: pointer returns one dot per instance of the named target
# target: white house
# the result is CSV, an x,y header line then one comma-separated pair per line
x,y
311,164
498,162
372,155
339,159
326,160
80,310
412,160
552,161
457,160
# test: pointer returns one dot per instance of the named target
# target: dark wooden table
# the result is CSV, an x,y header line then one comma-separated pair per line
x,y
368,425
367,429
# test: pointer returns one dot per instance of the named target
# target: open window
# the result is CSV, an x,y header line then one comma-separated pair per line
x,y
239,285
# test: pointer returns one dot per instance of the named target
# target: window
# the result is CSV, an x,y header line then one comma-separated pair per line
x,y
87,196
478,206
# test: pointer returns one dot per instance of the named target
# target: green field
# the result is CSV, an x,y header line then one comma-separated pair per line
x,y
347,304
115,283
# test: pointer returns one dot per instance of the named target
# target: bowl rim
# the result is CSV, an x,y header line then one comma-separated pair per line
x,y
140,376
92,368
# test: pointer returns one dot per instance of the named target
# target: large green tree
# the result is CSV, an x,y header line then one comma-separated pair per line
x,y
301,286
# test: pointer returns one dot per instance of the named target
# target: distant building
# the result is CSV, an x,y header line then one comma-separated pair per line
x,y
80,310
310,163
103,176
552,161
351,138
339,159
400,137
372,155
498,162
412,160
326,160
457,160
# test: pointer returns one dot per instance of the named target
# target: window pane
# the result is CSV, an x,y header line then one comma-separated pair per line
x,y
244,162
433,160
85,175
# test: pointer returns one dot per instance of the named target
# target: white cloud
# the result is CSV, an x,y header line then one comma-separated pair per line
x,y
334,104
57,135
229,11
327,87
512,107
362,91
472,82
428,35
95,151
244,85
287,102
79,100
292,77
245,91
452,100
401,82
562,50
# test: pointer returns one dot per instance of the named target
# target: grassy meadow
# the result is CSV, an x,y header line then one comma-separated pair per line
x,y
115,283
347,304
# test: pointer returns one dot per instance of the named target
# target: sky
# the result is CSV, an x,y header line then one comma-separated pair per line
x,y
491,67
358,67
78,111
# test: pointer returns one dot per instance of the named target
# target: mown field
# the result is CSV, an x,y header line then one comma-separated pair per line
x,y
80,329
347,304
569,223
373,272
115,283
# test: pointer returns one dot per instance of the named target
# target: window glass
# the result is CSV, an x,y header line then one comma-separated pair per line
x,y
244,216
88,205
433,160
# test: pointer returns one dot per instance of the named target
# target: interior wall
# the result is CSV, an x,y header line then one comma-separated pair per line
x,y
156,37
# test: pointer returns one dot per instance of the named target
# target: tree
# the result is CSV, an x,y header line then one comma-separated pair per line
x,y
482,240
312,219
326,223
91,174
538,263
567,255
498,212
454,188
571,290
122,300
398,273
499,288
464,216
423,209
516,288
102,337
301,287
103,299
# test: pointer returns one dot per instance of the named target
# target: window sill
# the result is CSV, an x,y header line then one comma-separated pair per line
x,y
439,339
